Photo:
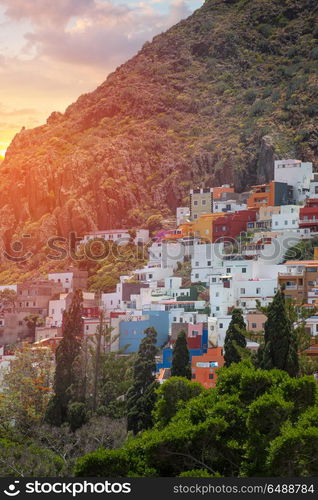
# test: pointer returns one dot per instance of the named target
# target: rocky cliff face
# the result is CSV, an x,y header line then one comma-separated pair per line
x,y
215,99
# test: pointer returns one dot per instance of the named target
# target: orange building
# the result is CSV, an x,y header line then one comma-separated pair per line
x,y
269,195
218,191
204,368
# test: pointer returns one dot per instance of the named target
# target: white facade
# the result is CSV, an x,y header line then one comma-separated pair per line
x,y
56,309
152,274
112,301
228,206
297,174
287,219
204,259
167,254
240,284
183,213
118,236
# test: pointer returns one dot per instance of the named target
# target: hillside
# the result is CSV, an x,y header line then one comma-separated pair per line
x,y
212,100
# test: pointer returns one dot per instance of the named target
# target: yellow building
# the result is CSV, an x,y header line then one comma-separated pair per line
x,y
202,228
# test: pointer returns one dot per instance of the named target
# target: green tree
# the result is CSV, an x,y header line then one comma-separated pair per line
x,y
32,321
180,357
66,380
171,396
245,426
234,337
141,396
26,389
280,348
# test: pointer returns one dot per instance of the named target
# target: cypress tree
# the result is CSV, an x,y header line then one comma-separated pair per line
x,y
141,396
66,379
280,342
180,358
234,337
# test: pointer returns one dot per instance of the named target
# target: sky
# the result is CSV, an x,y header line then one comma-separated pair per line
x,y
52,51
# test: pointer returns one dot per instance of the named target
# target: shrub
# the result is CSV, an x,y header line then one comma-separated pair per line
x,y
250,96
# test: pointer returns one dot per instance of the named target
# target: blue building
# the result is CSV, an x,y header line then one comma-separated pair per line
x,y
131,333
167,352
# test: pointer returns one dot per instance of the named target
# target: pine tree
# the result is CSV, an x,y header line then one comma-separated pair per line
x,y
280,342
141,396
234,338
180,357
66,380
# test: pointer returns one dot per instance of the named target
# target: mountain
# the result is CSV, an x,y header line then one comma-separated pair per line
x,y
214,99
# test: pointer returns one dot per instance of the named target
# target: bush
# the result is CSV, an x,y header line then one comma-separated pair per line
x,y
77,415
103,463
259,108
171,396
250,96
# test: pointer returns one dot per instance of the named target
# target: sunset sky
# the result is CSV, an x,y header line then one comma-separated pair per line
x,y
51,51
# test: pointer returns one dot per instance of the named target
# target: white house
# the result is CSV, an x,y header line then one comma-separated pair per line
x,y
118,236
204,259
287,219
297,174
228,206
182,213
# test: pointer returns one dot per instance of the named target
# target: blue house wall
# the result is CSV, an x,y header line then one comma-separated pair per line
x,y
131,333
167,353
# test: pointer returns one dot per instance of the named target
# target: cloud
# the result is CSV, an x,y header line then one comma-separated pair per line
x,y
91,32
46,11
52,51
17,112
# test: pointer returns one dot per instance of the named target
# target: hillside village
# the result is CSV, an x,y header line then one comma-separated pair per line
x,y
226,251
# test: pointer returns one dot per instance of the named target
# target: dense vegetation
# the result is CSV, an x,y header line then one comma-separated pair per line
x,y
255,423
212,100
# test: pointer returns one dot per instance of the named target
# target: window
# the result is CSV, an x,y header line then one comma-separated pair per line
x,y
242,291
244,270
196,276
20,323
211,376
53,311
221,325
228,270
213,280
195,216
195,203
209,262
216,207
175,319
286,222
243,304
197,264
87,327
217,308
193,375
203,203
254,325
276,223
217,294
150,276
258,291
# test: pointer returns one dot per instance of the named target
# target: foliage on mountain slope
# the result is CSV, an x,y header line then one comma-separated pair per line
x,y
214,99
